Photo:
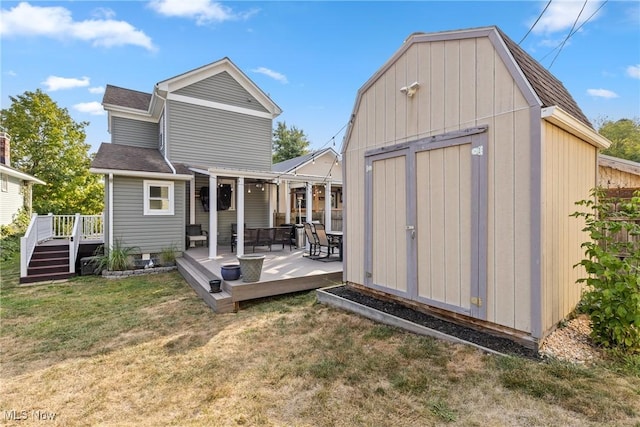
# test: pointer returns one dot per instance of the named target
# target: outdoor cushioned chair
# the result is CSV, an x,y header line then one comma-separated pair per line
x,y
312,239
323,241
195,233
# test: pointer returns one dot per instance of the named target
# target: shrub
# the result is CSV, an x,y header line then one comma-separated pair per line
x,y
612,262
168,255
117,258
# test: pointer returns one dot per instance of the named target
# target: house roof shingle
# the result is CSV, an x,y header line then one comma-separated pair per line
x,y
291,164
114,95
128,158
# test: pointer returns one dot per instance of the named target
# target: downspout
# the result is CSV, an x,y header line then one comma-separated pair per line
x,y
164,134
110,211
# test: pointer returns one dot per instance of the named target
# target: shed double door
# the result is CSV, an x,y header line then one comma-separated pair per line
x,y
426,209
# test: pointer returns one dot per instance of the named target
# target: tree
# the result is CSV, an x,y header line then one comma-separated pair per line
x,y
288,143
48,144
625,137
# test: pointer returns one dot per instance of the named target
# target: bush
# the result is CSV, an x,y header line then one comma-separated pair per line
x,y
118,258
612,262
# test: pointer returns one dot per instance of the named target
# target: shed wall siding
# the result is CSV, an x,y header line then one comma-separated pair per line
x,y
462,84
134,132
206,136
132,228
613,178
224,89
569,173
11,200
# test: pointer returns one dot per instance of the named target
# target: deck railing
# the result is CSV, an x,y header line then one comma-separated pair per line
x,y
76,228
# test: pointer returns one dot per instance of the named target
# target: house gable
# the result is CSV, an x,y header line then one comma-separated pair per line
x,y
222,88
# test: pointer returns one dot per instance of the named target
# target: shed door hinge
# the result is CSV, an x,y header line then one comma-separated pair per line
x,y
368,168
369,274
476,301
477,151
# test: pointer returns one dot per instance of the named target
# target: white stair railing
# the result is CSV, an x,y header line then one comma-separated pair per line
x,y
74,243
28,244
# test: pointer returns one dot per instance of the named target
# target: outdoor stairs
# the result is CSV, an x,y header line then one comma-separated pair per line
x,y
49,262
197,276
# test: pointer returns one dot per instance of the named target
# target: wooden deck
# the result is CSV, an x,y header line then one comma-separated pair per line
x,y
283,272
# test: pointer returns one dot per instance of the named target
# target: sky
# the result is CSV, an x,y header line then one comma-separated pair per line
x,y
310,57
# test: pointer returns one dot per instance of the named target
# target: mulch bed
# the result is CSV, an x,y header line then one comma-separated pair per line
x,y
502,345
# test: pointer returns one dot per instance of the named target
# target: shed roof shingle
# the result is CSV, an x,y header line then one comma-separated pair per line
x,y
549,89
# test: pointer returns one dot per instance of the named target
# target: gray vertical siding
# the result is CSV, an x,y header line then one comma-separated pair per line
x,y
224,89
206,136
134,132
149,233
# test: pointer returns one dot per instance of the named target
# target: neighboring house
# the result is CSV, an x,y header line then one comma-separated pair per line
x,y
463,161
618,173
324,163
15,186
189,152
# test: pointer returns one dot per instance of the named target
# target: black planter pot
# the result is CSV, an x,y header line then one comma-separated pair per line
x,y
215,286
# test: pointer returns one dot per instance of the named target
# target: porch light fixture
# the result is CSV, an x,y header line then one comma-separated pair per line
x,y
411,89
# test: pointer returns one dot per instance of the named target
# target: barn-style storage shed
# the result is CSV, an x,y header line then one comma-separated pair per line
x,y
462,163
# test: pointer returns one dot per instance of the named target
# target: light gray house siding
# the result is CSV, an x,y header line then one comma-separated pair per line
x,y
11,200
206,136
150,233
134,132
224,89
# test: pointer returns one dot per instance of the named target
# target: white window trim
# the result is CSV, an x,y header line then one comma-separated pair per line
x,y
147,209
4,178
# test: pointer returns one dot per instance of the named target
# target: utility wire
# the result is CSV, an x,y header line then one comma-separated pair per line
x,y
534,24
569,34
576,30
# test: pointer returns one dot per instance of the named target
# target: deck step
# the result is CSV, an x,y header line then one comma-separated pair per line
x,y
49,277
44,262
220,302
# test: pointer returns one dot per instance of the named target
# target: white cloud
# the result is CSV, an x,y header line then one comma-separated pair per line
x,y
96,90
94,108
203,11
54,83
270,73
57,22
633,71
561,15
11,73
602,93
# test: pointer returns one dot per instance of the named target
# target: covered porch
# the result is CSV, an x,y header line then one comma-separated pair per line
x,y
283,271
220,199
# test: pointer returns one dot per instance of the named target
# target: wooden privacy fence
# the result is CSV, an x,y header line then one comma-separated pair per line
x,y
618,197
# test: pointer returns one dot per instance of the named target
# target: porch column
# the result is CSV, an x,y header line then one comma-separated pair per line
x,y
287,202
192,203
240,217
309,201
272,210
213,216
327,205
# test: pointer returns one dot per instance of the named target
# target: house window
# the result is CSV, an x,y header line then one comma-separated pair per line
x,y
158,198
4,185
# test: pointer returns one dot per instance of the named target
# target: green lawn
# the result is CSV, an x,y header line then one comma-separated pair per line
x,y
147,351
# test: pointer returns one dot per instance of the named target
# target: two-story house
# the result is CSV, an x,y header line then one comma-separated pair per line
x,y
196,150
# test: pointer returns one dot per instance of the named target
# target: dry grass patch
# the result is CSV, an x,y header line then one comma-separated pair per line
x,y
148,352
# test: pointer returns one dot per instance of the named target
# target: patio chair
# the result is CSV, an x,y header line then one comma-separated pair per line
x,y
195,233
312,239
324,242
282,235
